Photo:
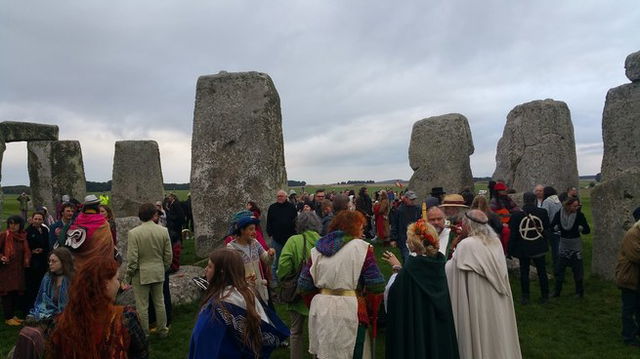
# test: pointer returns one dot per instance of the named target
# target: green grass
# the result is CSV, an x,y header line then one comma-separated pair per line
x,y
567,327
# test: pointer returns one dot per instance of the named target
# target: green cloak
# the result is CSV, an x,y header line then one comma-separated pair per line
x,y
419,316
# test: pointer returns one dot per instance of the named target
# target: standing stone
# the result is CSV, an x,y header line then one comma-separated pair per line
x,y
537,147
55,169
137,176
613,201
439,154
22,131
632,66
621,130
237,151
612,205
123,226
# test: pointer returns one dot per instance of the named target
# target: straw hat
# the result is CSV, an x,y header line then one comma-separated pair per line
x,y
453,200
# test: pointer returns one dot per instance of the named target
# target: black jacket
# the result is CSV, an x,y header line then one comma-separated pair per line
x,y
403,217
529,247
574,232
281,221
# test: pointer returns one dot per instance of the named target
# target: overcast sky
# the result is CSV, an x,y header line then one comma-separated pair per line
x,y
353,76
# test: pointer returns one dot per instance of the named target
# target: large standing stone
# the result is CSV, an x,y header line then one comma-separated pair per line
x,y
612,203
55,169
537,147
439,154
137,176
632,66
621,130
237,151
22,131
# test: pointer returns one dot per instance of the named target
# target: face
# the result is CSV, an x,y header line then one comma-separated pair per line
x,y
573,192
14,227
248,231
104,212
306,208
55,265
319,196
281,197
208,271
248,206
573,207
450,211
539,191
112,287
67,213
436,219
37,220
361,231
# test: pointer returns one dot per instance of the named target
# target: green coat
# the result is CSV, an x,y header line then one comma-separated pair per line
x,y
290,259
148,253
419,316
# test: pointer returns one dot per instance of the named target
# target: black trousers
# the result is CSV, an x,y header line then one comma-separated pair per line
x,y
539,263
10,302
576,263
630,314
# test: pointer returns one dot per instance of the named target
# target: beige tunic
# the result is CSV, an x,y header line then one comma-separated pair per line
x,y
333,320
481,301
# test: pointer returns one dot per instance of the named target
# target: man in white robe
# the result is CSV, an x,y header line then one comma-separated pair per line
x,y
481,295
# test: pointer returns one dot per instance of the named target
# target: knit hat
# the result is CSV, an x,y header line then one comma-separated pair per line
x,y
500,186
453,200
240,220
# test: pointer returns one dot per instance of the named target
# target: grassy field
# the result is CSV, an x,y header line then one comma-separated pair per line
x,y
566,327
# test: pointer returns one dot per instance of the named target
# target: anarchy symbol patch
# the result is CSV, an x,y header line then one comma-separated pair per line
x,y
531,228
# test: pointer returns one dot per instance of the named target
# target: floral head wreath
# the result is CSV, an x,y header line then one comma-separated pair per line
x,y
421,229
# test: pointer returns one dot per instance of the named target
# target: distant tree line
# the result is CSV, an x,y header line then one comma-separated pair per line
x,y
294,183
357,182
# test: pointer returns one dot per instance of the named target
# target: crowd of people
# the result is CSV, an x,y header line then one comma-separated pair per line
x,y
449,295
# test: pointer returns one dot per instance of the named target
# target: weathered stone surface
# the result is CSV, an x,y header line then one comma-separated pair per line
x,y
632,66
439,154
621,130
137,176
55,169
612,205
11,131
123,226
237,151
22,131
538,147
182,289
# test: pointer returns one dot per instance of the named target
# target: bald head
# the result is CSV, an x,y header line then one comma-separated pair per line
x,y
435,216
538,190
281,196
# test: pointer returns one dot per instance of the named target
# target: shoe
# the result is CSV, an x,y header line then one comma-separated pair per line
x,y
12,322
632,343
579,295
555,295
524,300
163,333
153,330
544,300
17,319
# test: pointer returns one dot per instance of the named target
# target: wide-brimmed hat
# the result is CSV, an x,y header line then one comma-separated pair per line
x,y
437,191
453,200
91,199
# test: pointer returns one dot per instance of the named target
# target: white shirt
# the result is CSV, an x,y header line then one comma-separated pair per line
x,y
444,240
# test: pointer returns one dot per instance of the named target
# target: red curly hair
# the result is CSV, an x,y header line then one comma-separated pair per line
x,y
82,326
350,222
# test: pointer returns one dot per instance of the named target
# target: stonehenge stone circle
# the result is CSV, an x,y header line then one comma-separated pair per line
x,y
137,176
55,169
439,154
537,147
632,66
23,131
237,151
612,203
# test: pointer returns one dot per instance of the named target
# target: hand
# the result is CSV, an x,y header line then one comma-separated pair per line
x,y
124,286
4,259
251,279
271,252
394,244
37,251
390,258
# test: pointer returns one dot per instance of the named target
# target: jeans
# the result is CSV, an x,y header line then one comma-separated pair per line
x,y
574,261
274,266
296,341
630,314
539,263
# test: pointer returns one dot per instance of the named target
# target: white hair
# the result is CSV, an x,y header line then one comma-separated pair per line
x,y
478,229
